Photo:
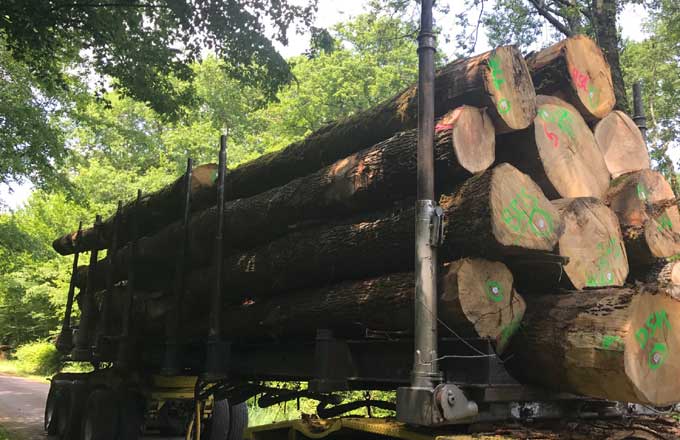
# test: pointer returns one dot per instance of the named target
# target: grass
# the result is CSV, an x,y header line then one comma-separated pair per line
x,y
13,368
4,435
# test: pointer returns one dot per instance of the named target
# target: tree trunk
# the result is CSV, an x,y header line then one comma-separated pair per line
x,y
476,299
622,144
616,343
604,22
498,80
154,210
559,152
575,70
496,213
593,244
369,180
650,222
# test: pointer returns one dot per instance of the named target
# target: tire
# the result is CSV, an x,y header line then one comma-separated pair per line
x,y
227,422
238,421
52,410
131,416
69,420
100,419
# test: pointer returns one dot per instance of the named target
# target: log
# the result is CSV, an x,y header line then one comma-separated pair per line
x,y
622,144
559,152
576,71
650,222
154,210
593,244
616,343
476,300
498,80
369,180
499,212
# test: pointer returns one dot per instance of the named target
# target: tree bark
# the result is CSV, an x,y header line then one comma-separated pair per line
x,y
496,213
616,343
498,80
650,222
606,31
593,244
369,180
622,144
559,152
154,210
576,71
351,308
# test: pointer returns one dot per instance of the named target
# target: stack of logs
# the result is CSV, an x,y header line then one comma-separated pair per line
x,y
546,190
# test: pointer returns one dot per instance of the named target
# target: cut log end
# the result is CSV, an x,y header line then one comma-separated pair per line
x,y
592,241
590,76
508,83
473,135
643,202
572,161
520,214
622,144
483,291
575,69
652,348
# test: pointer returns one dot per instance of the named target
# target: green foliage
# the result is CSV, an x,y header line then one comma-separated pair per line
x,y
372,58
144,45
32,143
116,144
39,358
654,61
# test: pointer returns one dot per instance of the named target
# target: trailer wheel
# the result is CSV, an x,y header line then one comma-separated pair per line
x,y
72,403
131,416
227,422
100,421
52,409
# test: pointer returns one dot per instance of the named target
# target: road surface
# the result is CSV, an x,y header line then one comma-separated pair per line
x,y
22,403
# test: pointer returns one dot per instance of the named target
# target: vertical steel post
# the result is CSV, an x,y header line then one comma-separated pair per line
x,y
639,110
425,370
65,340
110,282
83,350
217,350
171,362
124,345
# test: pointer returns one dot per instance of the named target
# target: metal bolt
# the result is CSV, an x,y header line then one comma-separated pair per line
x,y
450,397
656,358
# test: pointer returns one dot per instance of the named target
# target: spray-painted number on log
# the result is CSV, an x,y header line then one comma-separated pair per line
x,y
612,342
562,118
641,191
659,351
494,291
582,81
664,222
516,217
503,105
608,252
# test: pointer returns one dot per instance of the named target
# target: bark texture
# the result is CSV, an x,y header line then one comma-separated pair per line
x,y
498,80
369,180
616,343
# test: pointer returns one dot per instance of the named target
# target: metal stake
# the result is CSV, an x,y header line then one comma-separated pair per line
x,y
65,340
110,281
639,110
217,350
124,347
170,364
83,350
425,371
